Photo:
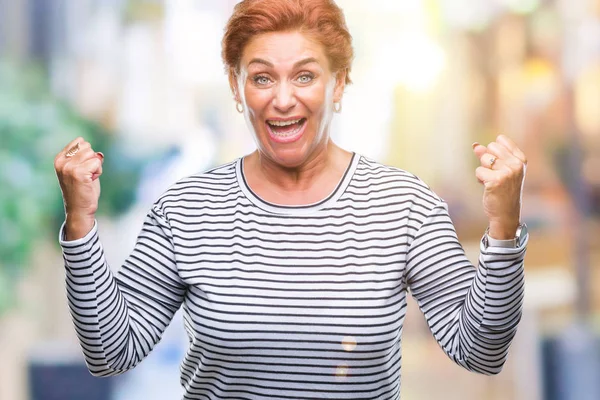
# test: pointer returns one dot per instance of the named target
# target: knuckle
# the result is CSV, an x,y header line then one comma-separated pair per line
x,y
78,175
68,170
519,167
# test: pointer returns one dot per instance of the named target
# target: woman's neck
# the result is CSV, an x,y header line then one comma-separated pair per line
x,y
304,184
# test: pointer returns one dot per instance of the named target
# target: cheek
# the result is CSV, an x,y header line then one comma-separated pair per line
x,y
315,100
257,99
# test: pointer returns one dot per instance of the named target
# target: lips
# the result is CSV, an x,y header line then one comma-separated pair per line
x,y
286,131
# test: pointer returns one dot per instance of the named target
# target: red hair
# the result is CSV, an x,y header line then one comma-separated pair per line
x,y
323,20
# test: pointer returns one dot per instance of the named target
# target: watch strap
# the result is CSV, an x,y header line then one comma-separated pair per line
x,y
510,243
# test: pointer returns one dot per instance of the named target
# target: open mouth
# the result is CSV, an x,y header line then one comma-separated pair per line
x,y
286,131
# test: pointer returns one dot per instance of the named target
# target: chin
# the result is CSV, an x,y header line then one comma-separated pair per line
x,y
290,157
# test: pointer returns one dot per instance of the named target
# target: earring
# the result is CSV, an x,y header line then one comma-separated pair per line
x,y
337,107
239,107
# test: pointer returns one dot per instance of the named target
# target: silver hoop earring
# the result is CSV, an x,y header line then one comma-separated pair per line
x,y
239,107
337,107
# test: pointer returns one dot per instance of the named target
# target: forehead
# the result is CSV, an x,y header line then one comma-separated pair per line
x,y
283,49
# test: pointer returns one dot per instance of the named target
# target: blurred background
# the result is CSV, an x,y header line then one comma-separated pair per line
x,y
143,81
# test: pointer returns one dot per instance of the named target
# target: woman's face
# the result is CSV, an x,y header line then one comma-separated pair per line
x,y
288,91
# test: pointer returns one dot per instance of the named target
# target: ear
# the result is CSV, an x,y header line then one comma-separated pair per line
x,y
233,84
340,85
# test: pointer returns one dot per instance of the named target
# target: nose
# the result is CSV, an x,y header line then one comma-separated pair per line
x,y
285,98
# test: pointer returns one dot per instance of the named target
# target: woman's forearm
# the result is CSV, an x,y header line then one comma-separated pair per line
x,y
472,311
119,319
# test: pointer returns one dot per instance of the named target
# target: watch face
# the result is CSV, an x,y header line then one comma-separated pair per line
x,y
521,234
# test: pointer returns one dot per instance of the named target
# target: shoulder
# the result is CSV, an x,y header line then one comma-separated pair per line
x,y
212,185
375,174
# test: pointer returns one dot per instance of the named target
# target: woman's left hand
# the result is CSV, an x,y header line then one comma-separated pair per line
x,y
502,173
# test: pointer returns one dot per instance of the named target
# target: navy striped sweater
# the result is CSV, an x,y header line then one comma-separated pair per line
x,y
285,302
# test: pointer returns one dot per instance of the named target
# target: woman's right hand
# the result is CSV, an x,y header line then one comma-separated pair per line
x,y
78,178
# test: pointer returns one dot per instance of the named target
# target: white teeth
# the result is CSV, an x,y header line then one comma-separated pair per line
x,y
284,123
287,134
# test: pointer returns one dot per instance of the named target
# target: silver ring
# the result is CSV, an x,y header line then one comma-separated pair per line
x,y
492,161
72,151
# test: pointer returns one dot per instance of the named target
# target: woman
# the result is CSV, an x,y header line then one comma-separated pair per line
x,y
293,263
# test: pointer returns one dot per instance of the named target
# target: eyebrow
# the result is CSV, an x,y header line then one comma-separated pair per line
x,y
296,65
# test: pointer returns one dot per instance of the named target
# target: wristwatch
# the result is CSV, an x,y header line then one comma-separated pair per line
x,y
518,240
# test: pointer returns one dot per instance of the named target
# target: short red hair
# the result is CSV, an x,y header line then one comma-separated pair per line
x,y
323,20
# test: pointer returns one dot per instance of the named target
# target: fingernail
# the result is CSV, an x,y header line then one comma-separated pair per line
x,y
475,144
100,154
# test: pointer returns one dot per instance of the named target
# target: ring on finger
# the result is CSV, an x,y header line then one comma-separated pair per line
x,y
72,151
492,161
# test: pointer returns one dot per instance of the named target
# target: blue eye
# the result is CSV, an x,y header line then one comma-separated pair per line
x,y
261,80
305,78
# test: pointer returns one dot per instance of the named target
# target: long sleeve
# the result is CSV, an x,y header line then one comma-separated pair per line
x,y
119,319
472,312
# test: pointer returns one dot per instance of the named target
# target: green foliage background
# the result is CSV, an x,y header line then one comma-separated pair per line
x,y
34,127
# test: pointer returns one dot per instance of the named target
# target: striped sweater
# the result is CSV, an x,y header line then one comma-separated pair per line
x,y
294,302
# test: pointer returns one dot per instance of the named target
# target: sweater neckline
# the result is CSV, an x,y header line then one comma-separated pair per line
x,y
300,209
